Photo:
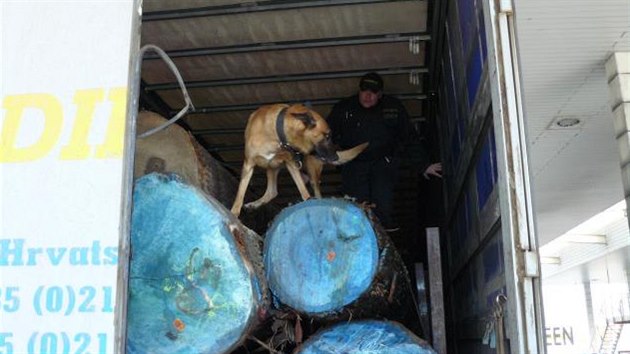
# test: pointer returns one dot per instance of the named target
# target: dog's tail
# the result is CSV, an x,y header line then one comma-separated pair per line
x,y
348,155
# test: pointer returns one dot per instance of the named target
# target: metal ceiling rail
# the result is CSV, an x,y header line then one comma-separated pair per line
x,y
283,78
295,45
316,102
249,7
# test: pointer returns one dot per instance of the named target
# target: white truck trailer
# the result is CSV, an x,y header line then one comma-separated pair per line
x,y
71,89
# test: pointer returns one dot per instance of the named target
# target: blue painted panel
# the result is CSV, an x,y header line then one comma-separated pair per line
x,y
366,337
473,72
467,21
189,289
320,255
482,33
485,182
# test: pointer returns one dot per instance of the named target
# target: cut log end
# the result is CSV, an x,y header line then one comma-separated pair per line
x,y
363,337
191,288
320,255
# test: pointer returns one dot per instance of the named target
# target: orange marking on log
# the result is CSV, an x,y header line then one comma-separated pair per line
x,y
331,256
179,324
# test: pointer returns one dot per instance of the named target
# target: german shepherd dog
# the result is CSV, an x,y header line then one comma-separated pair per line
x,y
282,134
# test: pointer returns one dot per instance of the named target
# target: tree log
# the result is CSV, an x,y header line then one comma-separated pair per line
x,y
365,337
196,282
329,259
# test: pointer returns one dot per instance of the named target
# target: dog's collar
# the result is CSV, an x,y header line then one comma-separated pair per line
x,y
280,128
297,155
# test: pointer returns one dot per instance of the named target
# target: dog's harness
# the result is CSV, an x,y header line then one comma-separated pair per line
x,y
298,156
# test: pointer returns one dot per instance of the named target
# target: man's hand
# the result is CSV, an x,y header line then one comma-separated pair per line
x,y
433,170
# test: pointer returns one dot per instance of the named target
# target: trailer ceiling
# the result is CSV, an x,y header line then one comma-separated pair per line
x,y
238,55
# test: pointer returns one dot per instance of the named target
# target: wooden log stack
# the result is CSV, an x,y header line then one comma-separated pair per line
x,y
200,280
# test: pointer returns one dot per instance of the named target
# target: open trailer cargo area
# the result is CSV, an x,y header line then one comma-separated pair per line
x,y
452,63
236,56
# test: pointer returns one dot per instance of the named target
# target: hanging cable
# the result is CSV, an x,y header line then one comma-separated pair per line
x,y
189,105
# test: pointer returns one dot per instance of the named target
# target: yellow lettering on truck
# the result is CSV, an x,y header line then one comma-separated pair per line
x,y
53,119
77,148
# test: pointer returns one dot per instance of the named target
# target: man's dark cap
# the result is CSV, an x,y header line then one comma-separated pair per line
x,y
372,82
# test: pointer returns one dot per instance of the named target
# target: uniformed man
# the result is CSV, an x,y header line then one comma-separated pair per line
x,y
383,121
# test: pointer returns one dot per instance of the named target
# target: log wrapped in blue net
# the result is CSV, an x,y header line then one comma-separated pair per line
x,y
365,337
328,259
195,282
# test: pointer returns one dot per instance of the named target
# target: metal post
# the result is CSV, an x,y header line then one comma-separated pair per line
x,y
436,293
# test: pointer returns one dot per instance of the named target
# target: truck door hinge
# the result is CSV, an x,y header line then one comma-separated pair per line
x,y
531,264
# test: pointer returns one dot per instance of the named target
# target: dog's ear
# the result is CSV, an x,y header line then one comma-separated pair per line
x,y
306,118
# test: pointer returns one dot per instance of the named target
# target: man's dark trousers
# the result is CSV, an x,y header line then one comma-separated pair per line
x,y
373,181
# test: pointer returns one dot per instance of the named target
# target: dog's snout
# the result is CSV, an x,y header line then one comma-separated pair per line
x,y
326,150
